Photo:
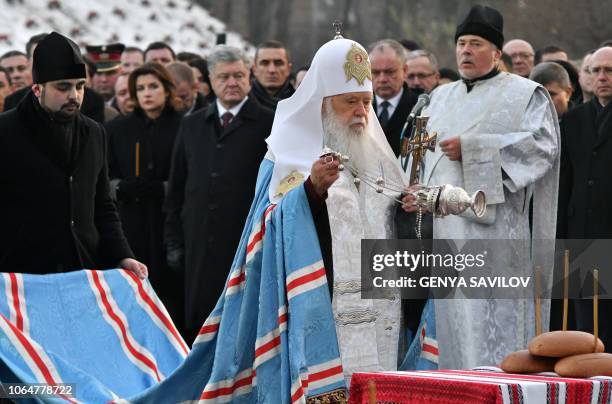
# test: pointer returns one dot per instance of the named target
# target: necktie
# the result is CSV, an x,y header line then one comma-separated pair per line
x,y
383,117
225,119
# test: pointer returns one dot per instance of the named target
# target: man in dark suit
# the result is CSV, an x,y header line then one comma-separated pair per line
x,y
58,214
392,98
212,182
585,194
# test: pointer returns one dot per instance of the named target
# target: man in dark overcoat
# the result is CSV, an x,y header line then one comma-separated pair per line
x,y
585,189
212,182
56,211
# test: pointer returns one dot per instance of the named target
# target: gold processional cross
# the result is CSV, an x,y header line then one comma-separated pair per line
x,y
417,146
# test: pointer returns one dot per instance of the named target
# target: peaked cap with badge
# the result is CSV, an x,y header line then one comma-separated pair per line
x,y
107,58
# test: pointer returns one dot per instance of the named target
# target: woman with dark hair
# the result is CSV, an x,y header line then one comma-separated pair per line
x,y
200,67
140,149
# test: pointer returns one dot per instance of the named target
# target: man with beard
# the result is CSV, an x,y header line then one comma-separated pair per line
x,y
59,215
93,103
271,71
584,189
497,132
300,250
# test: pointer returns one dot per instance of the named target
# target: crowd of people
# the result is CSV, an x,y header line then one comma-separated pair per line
x,y
158,173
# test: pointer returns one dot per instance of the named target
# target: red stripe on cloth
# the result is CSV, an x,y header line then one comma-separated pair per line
x,y
299,393
576,390
256,238
265,219
430,348
267,346
146,361
515,393
306,278
539,378
553,392
237,280
32,352
35,357
606,391
16,306
402,388
268,210
259,235
225,391
158,313
313,377
576,394
208,329
282,318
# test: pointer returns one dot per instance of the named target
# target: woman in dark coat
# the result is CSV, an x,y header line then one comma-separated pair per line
x,y
139,164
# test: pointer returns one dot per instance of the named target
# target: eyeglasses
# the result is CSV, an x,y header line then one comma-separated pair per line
x,y
521,55
420,76
607,70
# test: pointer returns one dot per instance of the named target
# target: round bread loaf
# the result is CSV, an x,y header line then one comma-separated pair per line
x,y
524,362
559,344
585,365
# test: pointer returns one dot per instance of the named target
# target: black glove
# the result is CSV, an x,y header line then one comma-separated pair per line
x,y
175,256
139,188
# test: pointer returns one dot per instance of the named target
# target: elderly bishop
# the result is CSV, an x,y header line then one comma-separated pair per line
x,y
291,323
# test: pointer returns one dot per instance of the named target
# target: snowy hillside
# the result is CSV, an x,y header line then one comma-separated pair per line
x,y
185,26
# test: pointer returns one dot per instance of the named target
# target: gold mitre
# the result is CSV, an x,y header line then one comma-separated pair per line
x,y
357,62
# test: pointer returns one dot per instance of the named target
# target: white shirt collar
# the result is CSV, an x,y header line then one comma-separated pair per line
x,y
233,110
393,100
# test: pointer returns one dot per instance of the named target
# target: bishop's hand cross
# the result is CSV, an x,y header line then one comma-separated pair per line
x,y
417,146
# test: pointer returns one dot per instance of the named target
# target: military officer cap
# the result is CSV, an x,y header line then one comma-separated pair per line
x,y
107,58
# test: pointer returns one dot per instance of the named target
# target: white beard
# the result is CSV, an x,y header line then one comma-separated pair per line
x,y
353,142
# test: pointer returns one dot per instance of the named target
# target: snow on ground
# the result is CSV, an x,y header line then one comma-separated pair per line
x,y
185,26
